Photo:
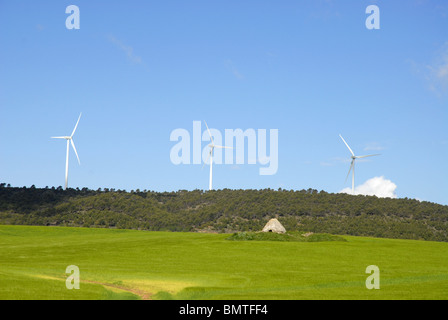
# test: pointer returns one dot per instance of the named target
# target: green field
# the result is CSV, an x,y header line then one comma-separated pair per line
x,y
130,264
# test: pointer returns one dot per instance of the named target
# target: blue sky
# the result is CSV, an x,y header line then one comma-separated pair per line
x,y
137,70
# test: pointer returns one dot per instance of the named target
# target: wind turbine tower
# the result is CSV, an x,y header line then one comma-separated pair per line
x,y
69,141
212,146
352,165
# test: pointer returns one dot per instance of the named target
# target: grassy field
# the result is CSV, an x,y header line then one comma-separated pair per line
x,y
129,264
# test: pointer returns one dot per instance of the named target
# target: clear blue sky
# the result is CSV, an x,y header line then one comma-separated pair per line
x,y
137,70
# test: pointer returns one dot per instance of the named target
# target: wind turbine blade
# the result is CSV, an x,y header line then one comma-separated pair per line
x,y
370,155
209,154
206,160
73,145
223,147
211,138
76,125
57,137
351,167
347,146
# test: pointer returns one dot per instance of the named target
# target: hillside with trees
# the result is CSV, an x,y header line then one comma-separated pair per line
x,y
225,211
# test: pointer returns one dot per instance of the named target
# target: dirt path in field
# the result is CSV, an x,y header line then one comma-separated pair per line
x,y
144,295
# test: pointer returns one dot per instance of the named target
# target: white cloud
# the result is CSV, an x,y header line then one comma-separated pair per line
x,y
128,50
373,146
335,160
435,73
438,71
442,70
378,186
234,70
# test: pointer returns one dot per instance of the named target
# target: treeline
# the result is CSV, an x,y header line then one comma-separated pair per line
x,y
225,211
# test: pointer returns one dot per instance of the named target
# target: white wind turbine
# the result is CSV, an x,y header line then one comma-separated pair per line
x,y
352,165
69,140
210,155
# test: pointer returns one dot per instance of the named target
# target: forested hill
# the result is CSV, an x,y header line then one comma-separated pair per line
x,y
225,211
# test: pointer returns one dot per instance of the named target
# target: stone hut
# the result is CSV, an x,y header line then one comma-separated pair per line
x,y
274,225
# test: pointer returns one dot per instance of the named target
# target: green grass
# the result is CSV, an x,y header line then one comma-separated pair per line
x,y
288,237
130,264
